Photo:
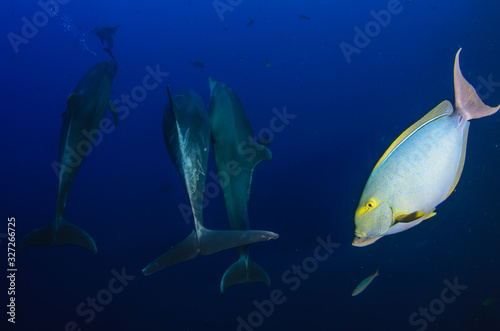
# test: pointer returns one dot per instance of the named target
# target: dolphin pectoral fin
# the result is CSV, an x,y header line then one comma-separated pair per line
x,y
208,242
212,241
409,217
243,271
185,250
112,108
74,100
60,234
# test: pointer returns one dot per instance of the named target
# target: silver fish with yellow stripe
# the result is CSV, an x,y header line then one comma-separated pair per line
x,y
421,168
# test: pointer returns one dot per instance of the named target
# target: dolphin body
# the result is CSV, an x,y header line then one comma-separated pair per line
x,y
86,108
186,131
236,155
106,33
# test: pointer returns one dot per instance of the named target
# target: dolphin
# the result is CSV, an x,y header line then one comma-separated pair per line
x,y
106,33
86,107
186,130
236,155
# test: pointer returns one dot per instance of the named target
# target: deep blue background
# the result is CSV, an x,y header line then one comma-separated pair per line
x,y
347,115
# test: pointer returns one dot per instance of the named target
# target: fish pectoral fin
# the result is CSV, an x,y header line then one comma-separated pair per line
x,y
112,107
431,214
409,217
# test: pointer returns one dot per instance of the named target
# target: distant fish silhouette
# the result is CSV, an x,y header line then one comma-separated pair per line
x,y
197,64
304,17
105,33
250,22
165,188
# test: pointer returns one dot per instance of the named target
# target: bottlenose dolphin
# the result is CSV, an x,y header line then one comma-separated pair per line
x,y
236,155
186,130
106,33
86,108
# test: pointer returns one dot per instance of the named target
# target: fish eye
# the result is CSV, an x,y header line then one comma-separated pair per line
x,y
371,204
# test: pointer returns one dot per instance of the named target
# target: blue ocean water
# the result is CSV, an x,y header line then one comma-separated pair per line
x,y
351,97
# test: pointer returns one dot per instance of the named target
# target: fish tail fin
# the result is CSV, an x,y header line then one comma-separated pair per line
x,y
59,234
243,271
205,242
467,102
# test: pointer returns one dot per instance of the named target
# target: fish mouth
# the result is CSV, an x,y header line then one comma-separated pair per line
x,y
363,241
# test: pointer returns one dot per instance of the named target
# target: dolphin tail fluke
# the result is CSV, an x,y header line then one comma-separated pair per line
x,y
467,102
185,250
243,271
205,242
59,234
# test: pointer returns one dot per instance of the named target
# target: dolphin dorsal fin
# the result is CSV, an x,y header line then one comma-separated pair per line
x,y
443,109
263,153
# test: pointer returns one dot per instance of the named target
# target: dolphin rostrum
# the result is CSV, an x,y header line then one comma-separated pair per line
x,y
84,114
236,155
106,33
186,130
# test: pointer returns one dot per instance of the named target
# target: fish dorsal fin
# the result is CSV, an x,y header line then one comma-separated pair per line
x,y
462,160
409,217
112,107
443,109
